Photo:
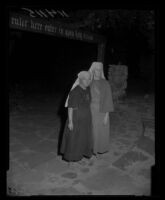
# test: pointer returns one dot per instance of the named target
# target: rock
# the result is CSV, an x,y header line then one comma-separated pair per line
x,y
70,175
76,182
146,173
128,158
146,144
116,153
85,170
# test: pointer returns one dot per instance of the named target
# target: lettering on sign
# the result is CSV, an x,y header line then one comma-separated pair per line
x,y
47,27
69,33
35,25
19,21
45,13
50,28
78,35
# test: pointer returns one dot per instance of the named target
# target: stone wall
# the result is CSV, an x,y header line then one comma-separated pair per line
x,y
117,76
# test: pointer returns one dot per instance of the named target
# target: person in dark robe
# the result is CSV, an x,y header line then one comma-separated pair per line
x,y
77,141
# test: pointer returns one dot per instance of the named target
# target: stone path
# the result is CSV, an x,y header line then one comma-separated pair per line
x,y
36,169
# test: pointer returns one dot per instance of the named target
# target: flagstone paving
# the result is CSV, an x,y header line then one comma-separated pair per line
x,y
36,169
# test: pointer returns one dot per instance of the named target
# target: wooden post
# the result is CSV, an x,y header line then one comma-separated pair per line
x,y
101,52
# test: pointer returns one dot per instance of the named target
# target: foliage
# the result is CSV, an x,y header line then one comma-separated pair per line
x,y
119,19
117,25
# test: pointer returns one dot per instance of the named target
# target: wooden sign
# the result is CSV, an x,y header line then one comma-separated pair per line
x,y
23,22
45,13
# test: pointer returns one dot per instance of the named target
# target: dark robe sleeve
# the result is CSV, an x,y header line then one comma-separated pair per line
x,y
107,100
73,98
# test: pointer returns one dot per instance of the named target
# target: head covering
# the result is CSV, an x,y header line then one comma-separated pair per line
x,y
80,75
97,65
83,75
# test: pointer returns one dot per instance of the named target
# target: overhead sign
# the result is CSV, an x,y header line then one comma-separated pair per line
x,y
23,22
45,13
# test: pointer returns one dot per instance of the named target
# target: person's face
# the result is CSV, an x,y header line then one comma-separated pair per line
x,y
97,73
86,81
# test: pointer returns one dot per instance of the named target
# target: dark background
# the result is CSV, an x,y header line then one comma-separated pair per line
x,y
39,62
47,62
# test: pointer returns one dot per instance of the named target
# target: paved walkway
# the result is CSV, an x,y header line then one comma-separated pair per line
x,y
36,169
